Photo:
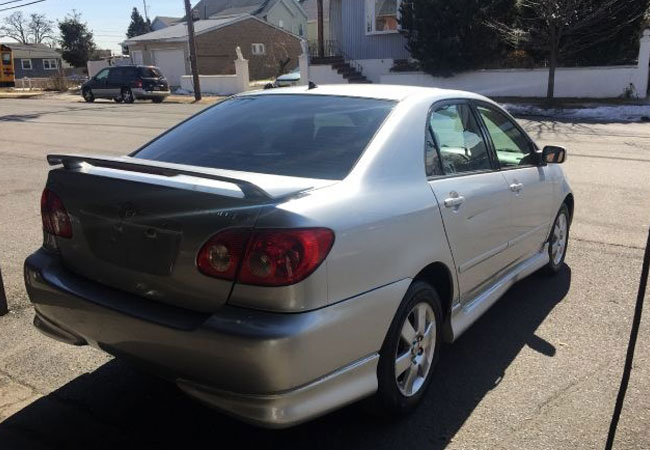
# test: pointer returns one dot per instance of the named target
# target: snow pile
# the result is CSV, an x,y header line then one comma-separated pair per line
x,y
617,113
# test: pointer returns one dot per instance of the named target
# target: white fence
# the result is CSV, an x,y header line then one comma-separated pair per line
x,y
584,82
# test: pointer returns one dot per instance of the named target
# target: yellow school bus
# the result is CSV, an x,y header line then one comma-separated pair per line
x,y
7,73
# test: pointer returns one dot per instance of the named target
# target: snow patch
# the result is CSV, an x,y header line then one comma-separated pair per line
x,y
616,113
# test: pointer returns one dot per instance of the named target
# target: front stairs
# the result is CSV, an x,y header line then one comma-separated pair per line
x,y
345,69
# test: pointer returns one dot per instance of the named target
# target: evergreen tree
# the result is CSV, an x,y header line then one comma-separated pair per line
x,y
76,40
138,25
452,36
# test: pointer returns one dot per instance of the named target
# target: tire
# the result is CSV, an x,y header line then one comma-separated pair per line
x,y
158,99
127,96
558,241
397,394
88,95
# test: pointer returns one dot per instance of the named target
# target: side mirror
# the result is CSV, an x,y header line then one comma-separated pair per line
x,y
553,154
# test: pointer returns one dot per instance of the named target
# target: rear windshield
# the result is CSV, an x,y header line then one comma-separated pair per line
x,y
149,72
309,136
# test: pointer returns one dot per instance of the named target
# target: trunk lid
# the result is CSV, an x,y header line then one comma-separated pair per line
x,y
138,225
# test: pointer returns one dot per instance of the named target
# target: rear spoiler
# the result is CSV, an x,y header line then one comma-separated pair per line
x,y
249,189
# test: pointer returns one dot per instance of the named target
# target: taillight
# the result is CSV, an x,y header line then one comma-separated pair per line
x,y
55,217
265,257
137,84
220,257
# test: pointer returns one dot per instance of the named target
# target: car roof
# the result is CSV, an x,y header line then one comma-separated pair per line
x,y
376,91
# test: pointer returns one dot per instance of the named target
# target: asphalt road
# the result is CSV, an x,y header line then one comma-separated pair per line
x,y
539,371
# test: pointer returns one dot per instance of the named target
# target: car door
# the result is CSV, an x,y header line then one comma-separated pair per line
x,y
115,81
531,190
473,197
100,84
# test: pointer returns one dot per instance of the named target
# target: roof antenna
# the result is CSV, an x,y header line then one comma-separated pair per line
x,y
311,86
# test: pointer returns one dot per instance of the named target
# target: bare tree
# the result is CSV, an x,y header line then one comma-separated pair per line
x,y
560,28
41,29
16,27
36,30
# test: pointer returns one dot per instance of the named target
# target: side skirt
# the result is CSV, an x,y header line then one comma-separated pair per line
x,y
463,316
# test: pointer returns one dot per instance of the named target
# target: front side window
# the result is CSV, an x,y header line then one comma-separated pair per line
x,y
26,64
382,16
458,139
50,64
102,75
512,148
310,136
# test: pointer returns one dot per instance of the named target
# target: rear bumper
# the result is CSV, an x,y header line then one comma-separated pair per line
x,y
141,94
273,370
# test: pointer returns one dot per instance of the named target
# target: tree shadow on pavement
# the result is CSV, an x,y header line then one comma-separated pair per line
x,y
118,407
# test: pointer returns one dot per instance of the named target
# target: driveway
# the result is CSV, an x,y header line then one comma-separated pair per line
x,y
539,371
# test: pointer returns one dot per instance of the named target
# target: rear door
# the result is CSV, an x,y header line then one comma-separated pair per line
x,y
473,196
531,191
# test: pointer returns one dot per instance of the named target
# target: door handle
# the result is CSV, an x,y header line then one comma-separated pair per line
x,y
516,187
454,202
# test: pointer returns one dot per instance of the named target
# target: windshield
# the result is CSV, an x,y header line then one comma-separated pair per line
x,y
309,136
6,59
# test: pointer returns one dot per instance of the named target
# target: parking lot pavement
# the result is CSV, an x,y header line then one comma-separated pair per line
x,y
539,371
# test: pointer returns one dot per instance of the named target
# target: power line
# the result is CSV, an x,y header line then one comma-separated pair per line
x,y
12,1
19,6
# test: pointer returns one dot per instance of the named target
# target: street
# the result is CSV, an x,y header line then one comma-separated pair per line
x,y
539,371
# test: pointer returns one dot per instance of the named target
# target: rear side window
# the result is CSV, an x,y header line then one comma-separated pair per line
x,y
149,72
115,75
309,136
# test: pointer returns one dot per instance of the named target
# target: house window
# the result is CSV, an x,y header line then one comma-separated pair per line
x,y
382,16
258,49
26,64
50,64
281,23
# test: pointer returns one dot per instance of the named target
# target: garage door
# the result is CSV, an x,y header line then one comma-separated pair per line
x,y
171,63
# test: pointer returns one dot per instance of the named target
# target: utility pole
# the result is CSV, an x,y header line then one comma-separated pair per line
x,y
3,298
193,62
146,14
321,39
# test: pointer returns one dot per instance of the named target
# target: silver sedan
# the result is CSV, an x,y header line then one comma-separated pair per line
x,y
287,252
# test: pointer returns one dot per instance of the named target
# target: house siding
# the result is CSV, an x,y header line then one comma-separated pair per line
x,y
37,71
216,51
293,18
347,21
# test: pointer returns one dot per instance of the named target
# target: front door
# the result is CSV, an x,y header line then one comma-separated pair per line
x,y
473,196
99,84
531,192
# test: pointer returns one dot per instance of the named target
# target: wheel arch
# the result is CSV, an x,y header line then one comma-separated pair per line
x,y
569,201
438,275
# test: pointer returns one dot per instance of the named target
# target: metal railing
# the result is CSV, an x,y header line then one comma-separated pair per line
x,y
332,49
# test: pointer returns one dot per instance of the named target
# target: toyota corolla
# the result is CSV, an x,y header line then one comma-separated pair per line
x,y
287,252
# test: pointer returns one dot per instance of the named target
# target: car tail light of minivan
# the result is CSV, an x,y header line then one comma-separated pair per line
x,y
56,220
137,84
279,257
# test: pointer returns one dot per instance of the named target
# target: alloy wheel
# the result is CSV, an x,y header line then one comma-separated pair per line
x,y
414,355
559,240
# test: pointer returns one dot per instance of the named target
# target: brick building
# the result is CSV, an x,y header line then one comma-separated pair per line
x,y
270,50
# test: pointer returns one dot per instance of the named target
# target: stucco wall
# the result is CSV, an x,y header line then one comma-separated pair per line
x,y
588,82
324,74
213,84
